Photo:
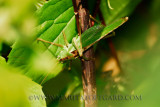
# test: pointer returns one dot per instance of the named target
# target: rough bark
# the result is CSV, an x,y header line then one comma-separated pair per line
x,y
88,66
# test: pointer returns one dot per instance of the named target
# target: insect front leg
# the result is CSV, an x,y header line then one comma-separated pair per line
x,y
78,45
77,42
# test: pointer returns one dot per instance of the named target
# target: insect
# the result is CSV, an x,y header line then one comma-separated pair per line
x,y
81,43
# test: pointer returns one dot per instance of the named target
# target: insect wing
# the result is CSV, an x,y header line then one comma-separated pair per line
x,y
96,33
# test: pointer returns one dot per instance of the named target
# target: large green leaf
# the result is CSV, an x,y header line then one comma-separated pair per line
x,y
18,90
2,60
39,67
60,15
53,19
121,8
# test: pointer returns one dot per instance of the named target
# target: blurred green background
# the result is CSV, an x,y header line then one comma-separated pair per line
x,y
137,44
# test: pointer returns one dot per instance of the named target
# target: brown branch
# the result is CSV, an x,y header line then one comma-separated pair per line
x,y
88,73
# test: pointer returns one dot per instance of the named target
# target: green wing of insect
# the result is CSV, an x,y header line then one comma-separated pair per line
x,y
96,33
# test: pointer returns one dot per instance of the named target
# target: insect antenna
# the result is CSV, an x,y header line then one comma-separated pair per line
x,y
47,48
59,45
80,51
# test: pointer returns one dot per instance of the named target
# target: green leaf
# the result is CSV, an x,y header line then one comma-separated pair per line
x,y
2,60
40,67
18,90
121,8
54,16
60,15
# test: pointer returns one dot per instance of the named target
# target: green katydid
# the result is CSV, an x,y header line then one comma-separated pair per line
x,y
88,38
